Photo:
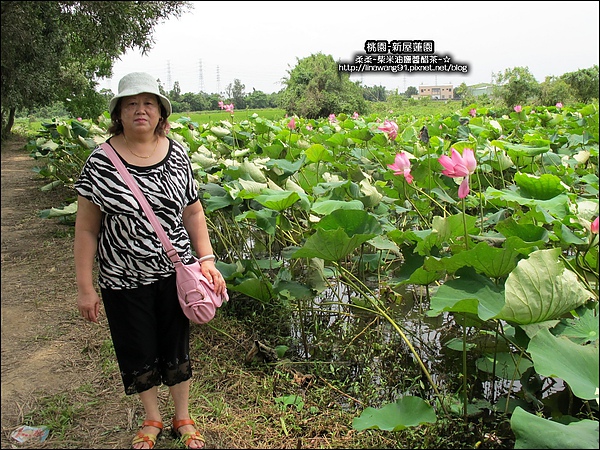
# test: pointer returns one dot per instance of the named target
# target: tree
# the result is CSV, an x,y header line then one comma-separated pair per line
x,y
212,100
554,90
461,91
236,92
583,83
56,50
410,91
175,94
315,88
516,86
375,93
257,100
197,102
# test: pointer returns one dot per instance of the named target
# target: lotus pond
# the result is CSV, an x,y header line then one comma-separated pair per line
x,y
430,266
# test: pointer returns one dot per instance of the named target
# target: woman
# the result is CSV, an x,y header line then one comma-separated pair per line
x,y
149,330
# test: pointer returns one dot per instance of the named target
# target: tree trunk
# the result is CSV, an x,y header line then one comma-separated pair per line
x,y
9,123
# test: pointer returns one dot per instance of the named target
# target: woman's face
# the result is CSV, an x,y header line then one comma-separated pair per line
x,y
140,113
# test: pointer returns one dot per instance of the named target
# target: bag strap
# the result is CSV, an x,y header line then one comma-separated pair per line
x,y
141,198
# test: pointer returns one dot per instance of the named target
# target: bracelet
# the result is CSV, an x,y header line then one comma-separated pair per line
x,y
206,258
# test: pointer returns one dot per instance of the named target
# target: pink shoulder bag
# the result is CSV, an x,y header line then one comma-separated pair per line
x,y
196,295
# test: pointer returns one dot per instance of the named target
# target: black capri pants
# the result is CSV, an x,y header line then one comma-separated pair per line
x,y
150,334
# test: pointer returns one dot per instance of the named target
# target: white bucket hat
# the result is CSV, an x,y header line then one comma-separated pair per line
x,y
137,83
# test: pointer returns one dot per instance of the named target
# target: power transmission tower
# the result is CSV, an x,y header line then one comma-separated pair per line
x,y
218,81
200,77
169,76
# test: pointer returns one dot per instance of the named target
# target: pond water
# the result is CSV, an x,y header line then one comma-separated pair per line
x,y
365,351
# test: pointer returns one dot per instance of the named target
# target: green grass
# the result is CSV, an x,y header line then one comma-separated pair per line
x,y
416,108
26,127
56,412
202,117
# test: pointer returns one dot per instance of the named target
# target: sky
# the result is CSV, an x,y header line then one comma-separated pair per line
x,y
259,43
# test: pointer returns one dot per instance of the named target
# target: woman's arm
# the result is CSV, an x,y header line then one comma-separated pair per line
x,y
87,228
194,222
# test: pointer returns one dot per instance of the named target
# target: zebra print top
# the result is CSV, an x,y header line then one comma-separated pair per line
x,y
130,253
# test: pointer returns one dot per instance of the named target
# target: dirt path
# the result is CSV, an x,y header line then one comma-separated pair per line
x,y
37,285
45,356
57,369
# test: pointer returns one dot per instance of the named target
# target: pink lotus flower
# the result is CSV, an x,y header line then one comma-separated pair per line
x,y
595,225
309,127
559,105
332,118
459,166
355,115
401,166
391,128
292,124
79,119
518,108
473,112
228,108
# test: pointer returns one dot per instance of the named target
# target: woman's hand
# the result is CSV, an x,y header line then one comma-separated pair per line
x,y
213,276
89,306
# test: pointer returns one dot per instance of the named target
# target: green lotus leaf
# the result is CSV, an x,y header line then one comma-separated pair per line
x,y
220,131
536,432
558,356
543,187
540,288
404,413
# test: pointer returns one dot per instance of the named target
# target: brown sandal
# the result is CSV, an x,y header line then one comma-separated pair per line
x,y
188,437
149,439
